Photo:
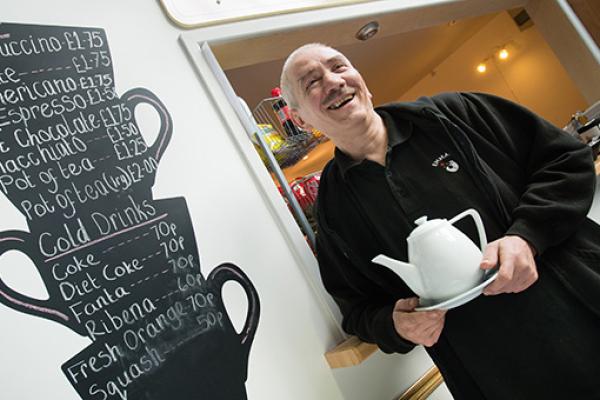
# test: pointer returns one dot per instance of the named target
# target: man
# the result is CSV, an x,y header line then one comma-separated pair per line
x,y
535,334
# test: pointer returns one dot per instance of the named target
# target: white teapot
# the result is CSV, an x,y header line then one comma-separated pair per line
x,y
444,262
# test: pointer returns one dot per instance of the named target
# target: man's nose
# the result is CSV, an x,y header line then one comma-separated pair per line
x,y
333,81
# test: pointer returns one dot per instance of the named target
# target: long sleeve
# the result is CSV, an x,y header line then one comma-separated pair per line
x,y
551,173
366,312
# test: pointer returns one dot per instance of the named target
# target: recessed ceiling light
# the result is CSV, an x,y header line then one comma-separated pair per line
x,y
367,31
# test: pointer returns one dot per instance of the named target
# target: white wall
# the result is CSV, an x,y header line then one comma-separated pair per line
x,y
571,42
231,219
532,75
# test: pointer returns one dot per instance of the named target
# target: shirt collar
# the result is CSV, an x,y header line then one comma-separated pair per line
x,y
398,131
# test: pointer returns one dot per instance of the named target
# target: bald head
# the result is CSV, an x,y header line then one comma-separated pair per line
x,y
324,91
286,81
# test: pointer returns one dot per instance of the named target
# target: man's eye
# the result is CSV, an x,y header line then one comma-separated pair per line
x,y
338,67
311,82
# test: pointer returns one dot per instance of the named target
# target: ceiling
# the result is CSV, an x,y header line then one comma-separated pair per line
x,y
391,62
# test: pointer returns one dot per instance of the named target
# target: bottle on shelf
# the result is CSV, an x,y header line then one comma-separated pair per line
x,y
283,113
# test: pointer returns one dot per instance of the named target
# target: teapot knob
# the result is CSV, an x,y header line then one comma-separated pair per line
x,y
422,220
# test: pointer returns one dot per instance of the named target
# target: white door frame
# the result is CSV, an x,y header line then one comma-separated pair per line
x,y
197,44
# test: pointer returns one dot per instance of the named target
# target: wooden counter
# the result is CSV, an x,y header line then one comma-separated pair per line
x,y
351,351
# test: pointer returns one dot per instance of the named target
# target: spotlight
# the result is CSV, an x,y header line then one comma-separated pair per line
x,y
481,68
367,31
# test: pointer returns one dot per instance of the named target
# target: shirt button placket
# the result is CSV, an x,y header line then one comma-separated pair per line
x,y
397,187
401,193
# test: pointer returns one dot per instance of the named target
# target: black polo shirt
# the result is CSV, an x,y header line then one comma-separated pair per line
x,y
422,177
508,346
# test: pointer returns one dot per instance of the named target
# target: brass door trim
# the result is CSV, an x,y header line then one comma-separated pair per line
x,y
424,386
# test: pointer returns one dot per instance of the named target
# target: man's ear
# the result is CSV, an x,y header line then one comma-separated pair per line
x,y
299,121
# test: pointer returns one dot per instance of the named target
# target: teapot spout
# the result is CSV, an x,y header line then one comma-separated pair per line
x,y
407,272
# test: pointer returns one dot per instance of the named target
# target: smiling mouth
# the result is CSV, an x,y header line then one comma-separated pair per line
x,y
341,102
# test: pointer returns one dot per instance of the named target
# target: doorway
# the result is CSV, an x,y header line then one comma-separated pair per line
x,y
430,40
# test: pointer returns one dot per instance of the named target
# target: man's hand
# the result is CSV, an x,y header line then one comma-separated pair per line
x,y
420,327
517,267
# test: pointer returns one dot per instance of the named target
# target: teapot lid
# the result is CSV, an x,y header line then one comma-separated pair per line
x,y
424,226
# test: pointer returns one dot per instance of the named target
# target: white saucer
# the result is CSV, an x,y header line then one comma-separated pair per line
x,y
459,300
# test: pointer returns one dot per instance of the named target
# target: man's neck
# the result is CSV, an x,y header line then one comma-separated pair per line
x,y
368,141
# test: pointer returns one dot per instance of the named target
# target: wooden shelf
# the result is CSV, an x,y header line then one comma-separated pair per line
x,y
350,352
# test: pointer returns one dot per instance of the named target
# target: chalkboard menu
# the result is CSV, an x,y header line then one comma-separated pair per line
x,y
120,267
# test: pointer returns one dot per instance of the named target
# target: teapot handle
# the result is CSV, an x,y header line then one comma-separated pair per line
x,y
478,224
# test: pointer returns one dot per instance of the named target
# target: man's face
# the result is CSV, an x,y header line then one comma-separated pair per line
x,y
330,92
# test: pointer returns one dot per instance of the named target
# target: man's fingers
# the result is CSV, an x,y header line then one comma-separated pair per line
x,y
502,281
512,280
421,320
407,304
429,319
490,256
417,332
517,268
420,327
432,334
528,278
505,271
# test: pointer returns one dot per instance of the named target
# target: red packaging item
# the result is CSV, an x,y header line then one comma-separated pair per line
x,y
283,113
311,186
300,193
305,189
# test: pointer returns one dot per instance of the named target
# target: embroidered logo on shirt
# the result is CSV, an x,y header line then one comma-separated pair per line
x,y
445,161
